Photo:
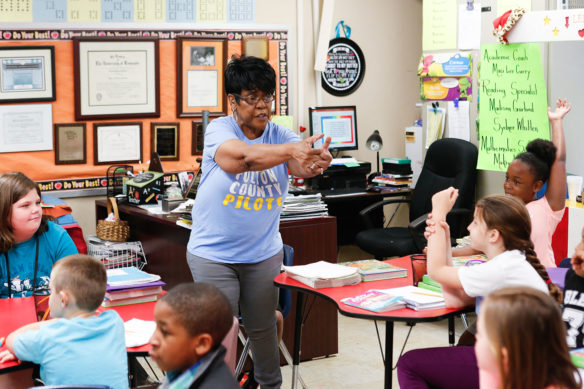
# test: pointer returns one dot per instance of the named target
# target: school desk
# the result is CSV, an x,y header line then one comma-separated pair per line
x,y
336,294
16,312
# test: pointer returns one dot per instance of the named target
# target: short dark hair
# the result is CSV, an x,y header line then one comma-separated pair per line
x,y
84,277
539,156
249,73
201,308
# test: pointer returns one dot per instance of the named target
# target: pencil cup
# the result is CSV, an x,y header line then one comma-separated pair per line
x,y
574,186
41,304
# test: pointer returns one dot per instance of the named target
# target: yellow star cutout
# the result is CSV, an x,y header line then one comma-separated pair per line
x,y
546,21
555,31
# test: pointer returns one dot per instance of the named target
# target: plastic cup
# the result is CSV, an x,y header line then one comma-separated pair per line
x,y
41,304
574,187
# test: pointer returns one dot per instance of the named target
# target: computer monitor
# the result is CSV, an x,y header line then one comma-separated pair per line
x,y
340,123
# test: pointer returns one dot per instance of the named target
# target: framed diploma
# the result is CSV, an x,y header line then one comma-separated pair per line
x,y
164,139
256,46
26,127
117,143
70,143
116,78
200,65
198,138
27,73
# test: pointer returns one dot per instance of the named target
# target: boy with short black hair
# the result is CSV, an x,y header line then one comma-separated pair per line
x,y
191,322
77,347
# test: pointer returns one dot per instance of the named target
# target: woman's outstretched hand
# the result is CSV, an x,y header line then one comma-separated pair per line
x,y
313,161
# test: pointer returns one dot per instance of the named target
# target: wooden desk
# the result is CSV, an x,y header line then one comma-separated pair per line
x,y
165,245
335,295
345,206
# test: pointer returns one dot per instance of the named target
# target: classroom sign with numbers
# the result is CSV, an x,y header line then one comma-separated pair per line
x,y
513,103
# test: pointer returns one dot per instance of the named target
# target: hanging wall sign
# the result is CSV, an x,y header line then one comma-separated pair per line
x,y
345,67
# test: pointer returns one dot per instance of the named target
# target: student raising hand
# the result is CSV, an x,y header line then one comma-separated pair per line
x,y
442,203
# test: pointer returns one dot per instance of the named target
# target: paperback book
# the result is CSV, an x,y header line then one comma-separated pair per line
x,y
376,301
129,276
372,269
417,298
128,301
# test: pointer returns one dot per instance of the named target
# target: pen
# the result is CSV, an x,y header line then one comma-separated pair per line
x,y
427,294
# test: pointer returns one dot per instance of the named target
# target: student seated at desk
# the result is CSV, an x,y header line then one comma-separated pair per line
x,y
77,347
521,342
29,243
501,229
191,322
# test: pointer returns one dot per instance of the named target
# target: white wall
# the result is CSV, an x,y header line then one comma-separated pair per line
x,y
390,35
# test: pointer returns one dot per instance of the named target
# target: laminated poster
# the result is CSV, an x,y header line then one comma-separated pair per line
x,y
446,88
513,104
445,65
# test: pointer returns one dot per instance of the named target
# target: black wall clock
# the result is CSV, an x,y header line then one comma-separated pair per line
x,y
345,67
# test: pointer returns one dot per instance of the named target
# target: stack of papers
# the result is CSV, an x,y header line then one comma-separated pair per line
x,y
129,276
323,274
303,207
130,285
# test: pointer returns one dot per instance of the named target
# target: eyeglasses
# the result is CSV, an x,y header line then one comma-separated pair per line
x,y
253,100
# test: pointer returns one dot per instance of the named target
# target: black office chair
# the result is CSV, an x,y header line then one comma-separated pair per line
x,y
449,162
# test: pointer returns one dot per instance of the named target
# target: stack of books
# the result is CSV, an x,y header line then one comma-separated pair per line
x,y
417,298
396,172
303,207
372,269
376,301
323,274
130,285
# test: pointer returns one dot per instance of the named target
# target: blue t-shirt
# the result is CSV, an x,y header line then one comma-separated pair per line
x,y
236,217
78,351
54,244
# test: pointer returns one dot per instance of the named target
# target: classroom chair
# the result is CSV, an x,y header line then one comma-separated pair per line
x,y
448,162
284,306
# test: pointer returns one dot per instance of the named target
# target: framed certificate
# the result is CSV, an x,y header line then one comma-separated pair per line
x,y
256,46
164,139
117,143
200,65
116,78
27,73
198,141
26,127
70,143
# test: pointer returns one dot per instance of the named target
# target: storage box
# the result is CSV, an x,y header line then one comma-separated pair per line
x,y
144,188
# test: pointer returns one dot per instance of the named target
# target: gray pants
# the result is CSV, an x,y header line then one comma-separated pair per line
x,y
251,292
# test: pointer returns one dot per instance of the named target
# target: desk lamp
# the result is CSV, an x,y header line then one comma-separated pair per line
x,y
374,143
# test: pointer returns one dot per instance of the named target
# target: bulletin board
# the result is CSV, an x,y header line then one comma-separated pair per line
x,y
41,166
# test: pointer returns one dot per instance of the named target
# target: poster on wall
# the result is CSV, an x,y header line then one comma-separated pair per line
x,y
345,67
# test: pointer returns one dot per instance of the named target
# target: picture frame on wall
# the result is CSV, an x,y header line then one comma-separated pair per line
x,y
198,141
116,78
117,143
164,139
26,127
200,66
256,46
70,143
27,74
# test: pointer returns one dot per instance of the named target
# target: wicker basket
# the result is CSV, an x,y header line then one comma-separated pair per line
x,y
113,231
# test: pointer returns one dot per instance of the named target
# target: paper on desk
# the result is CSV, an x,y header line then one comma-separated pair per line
x,y
458,120
344,161
155,209
321,269
138,332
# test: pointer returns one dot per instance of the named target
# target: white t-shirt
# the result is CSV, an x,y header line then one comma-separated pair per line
x,y
506,269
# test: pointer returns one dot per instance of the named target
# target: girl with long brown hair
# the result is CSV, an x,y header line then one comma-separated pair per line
x,y
501,229
29,243
521,342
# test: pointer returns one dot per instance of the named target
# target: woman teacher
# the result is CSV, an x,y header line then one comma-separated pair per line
x,y
235,242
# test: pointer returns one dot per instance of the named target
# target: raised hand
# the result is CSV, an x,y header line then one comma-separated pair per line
x,y
562,108
442,203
